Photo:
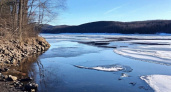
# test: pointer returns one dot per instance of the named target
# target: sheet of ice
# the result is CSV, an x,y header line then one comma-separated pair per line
x,y
108,68
154,52
162,57
112,69
94,35
160,83
154,47
150,41
146,52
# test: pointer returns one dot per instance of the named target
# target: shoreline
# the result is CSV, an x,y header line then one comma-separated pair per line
x,y
12,56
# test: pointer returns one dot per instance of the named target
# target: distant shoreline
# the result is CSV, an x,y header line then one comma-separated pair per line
x,y
160,34
137,27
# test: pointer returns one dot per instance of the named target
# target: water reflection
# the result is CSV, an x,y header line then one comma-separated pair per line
x,y
69,49
23,69
54,70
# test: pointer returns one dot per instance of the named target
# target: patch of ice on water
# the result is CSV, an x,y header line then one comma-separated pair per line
x,y
108,68
124,75
148,52
144,51
160,83
158,56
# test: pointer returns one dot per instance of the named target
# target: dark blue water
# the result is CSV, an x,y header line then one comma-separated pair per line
x,y
55,71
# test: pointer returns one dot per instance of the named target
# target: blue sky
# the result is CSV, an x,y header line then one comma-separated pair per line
x,y
84,11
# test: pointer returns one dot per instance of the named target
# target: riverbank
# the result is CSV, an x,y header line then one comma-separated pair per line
x,y
12,54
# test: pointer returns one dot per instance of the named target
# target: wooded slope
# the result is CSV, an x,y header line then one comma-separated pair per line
x,y
141,27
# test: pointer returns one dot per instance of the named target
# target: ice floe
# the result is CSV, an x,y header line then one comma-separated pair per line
x,y
158,51
152,48
160,83
157,56
114,69
108,68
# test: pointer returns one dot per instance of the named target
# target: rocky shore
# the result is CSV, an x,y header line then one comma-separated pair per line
x,y
12,54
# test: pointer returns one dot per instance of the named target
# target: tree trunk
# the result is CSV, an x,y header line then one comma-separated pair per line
x,y
20,16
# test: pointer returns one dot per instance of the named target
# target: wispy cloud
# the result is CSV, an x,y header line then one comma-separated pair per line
x,y
114,9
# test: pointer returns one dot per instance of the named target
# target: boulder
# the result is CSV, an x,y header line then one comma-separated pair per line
x,y
13,78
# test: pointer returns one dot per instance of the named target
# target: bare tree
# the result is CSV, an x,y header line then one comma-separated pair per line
x,y
21,18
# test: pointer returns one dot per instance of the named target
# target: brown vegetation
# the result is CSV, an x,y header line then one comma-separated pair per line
x,y
21,19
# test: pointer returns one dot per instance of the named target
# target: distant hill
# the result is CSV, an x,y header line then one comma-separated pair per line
x,y
141,27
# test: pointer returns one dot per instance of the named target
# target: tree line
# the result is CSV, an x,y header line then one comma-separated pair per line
x,y
140,27
20,19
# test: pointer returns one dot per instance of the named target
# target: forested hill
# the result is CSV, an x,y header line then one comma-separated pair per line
x,y
141,27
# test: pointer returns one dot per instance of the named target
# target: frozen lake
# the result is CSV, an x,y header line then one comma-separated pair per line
x,y
101,63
